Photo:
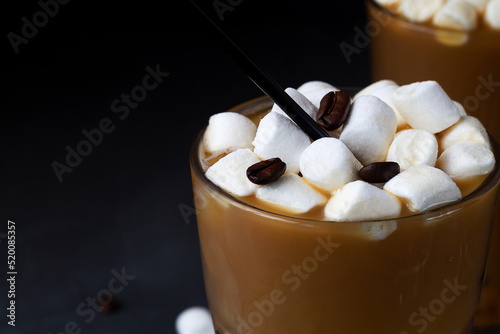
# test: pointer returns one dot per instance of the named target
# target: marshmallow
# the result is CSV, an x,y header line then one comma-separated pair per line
x,y
387,2
291,193
230,172
379,230
413,147
461,109
301,100
360,200
314,85
426,106
492,14
228,131
375,86
468,128
420,10
456,14
451,37
194,320
383,90
423,187
479,5
385,93
467,159
328,164
315,96
278,136
369,129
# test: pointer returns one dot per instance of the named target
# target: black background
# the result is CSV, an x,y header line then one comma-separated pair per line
x,y
128,204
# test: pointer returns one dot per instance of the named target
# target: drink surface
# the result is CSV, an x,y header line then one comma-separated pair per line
x,y
466,186
399,150
452,15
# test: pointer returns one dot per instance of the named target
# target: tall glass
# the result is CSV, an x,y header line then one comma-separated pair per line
x,y
271,273
467,65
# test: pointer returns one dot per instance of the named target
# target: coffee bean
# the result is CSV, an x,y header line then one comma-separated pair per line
x,y
108,306
333,110
266,171
379,172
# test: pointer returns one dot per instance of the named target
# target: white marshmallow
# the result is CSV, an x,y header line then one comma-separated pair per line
x,y
228,131
375,86
301,100
425,106
423,187
279,137
461,109
229,173
451,37
314,85
492,14
420,10
413,147
194,320
379,230
360,200
456,14
467,159
315,96
479,5
385,93
369,129
468,128
387,2
328,164
291,193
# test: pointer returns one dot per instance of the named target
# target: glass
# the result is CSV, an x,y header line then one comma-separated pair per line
x,y
466,65
271,273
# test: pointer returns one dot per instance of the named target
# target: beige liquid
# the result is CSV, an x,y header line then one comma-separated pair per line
x,y
271,274
468,68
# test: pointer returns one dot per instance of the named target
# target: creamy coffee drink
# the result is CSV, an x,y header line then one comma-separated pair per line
x,y
382,227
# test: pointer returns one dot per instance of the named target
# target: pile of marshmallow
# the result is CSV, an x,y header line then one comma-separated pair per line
x,y
418,126
453,14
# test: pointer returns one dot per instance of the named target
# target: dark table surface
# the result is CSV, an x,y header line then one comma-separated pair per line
x,y
117,222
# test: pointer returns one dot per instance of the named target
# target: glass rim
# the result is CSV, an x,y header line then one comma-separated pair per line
x,y
430,29
262,103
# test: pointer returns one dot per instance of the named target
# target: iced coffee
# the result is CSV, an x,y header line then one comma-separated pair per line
x,y
383,227
457,43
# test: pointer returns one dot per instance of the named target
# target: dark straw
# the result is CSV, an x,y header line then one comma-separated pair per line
x,y
264,81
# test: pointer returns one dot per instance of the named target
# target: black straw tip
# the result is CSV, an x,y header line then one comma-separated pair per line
x,y
264,81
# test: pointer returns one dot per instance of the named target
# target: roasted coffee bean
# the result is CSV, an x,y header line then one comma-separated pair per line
x,y
379,172
108,306
333,110
266,171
